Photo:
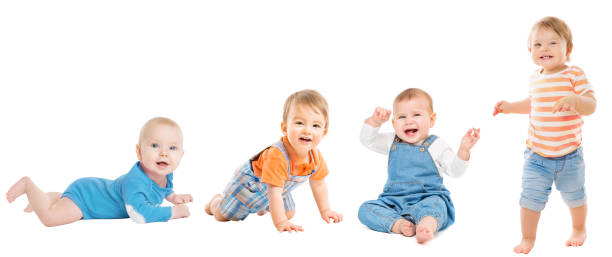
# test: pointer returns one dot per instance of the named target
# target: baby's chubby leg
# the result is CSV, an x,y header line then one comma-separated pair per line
x,y
529,226
578,224
53,198
62,211
376,215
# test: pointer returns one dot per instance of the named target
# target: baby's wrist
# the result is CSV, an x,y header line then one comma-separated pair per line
x,y
324,211
464,153
278,223
370,121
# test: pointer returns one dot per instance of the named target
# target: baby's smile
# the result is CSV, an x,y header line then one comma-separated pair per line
x,y
546,57
411,132
162,165
305,139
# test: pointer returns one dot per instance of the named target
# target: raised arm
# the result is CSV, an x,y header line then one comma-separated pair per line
x,y
369,135
449,162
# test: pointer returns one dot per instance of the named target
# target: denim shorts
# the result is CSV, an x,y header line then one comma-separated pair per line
x,y
539,173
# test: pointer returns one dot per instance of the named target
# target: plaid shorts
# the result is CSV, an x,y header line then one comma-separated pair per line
x,y
246,194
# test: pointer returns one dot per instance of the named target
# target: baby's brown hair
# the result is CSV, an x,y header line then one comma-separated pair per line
x,y
307,97
413,93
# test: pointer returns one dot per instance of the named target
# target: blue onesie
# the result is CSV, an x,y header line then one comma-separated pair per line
x,y
133,195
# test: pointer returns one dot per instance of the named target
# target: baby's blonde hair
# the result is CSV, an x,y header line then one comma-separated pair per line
x,y
307,97
413,93
159,121
558,26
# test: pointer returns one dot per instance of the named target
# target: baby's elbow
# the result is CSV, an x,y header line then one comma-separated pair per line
x,y
364,141
457,174
134,215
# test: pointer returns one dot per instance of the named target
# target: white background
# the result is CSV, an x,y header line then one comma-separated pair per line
x,y
79,78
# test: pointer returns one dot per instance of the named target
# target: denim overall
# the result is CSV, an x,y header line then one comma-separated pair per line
x,y
246,194
413,190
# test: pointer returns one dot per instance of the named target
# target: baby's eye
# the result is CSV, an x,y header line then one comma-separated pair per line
x,y
299,123
537,44
154,145
417,115
401,117
172,148
316,125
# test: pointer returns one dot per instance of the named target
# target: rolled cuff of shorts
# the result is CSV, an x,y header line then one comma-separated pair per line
x,y
531,205
576,203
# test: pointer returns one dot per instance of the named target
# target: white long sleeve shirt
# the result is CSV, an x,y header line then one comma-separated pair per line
x,y
446,160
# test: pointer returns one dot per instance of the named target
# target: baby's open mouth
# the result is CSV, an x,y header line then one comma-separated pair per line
x,y
162,164
306,139
410,132
546,57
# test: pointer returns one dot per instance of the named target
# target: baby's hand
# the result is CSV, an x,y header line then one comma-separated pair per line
x,y
568,103
182,199
331,215
499,107
380,116
180,211
467,142
288,226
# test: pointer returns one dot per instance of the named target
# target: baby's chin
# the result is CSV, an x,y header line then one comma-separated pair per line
x,y
411,140
160,169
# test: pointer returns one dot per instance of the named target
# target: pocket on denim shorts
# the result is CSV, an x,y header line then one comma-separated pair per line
x,y
532,157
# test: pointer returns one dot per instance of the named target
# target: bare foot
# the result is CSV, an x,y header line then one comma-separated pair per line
x,y
17,190
577,238
216,198
525,246
425,230
404,227
28,209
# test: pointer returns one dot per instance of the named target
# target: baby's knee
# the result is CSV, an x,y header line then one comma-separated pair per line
x,y
220,217
49,220
574,199
365,211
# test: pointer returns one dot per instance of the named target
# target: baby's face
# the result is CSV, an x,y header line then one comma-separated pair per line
x,y
161,149
412,119
548,50
304,129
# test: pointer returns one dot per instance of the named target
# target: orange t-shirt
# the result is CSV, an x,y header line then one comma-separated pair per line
x,y
554,135
271,166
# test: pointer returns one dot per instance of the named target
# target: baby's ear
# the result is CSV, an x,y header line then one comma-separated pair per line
x,y
433,120
138,153
284,128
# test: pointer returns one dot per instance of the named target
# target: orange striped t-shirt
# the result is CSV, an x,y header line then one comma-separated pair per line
x,y
554,135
